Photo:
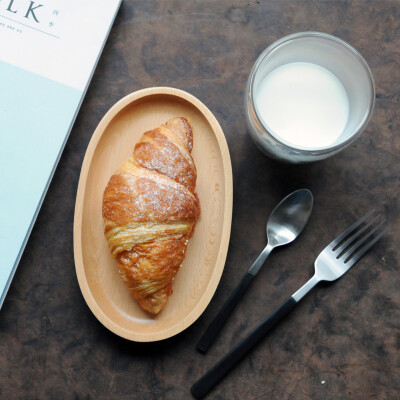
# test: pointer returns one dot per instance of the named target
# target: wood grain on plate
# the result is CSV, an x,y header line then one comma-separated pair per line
x,y
112,143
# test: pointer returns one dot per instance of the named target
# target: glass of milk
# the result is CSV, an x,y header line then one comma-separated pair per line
x,y
309,95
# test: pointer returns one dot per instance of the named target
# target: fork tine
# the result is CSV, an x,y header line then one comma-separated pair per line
x,y
349,230
353,237
356,245
364,249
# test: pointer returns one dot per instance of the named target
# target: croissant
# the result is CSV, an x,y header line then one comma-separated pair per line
x,y
150,211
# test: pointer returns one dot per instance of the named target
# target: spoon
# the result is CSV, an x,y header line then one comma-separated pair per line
x,y
284,225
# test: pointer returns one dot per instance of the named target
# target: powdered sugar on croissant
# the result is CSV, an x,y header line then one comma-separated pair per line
x,y
150,210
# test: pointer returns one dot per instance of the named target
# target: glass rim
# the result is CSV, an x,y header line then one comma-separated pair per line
x,y
322,149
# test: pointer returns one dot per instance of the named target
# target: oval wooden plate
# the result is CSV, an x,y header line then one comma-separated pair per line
x,y
112,143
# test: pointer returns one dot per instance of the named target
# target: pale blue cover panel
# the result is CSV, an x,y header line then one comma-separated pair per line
x,y
35,118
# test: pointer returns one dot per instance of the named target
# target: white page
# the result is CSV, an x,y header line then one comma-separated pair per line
x,y
48,52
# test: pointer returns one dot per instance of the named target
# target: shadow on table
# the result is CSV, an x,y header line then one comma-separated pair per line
x,y
143,349
259,173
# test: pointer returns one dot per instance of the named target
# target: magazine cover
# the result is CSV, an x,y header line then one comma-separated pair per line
x,y
48,52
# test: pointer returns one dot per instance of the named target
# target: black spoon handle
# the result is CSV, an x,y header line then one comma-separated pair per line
x,y
219,321
226,364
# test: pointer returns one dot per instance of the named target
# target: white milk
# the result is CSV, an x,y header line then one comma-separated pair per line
x,y
304,104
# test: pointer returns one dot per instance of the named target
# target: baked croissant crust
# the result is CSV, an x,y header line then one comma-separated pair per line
x,y
150,210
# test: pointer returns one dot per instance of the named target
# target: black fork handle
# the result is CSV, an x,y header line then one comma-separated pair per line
x,y
230,360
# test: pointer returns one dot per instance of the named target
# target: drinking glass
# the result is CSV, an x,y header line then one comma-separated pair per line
x,y
326,51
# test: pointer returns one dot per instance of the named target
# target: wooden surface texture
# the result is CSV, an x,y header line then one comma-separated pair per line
x,y
343,340
194,285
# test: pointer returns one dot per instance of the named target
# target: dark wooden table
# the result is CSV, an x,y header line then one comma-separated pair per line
x,y
343,340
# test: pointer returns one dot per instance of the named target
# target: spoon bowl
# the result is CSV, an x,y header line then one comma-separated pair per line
x,y
289,218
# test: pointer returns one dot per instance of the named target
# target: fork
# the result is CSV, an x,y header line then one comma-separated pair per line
x,y
333,262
